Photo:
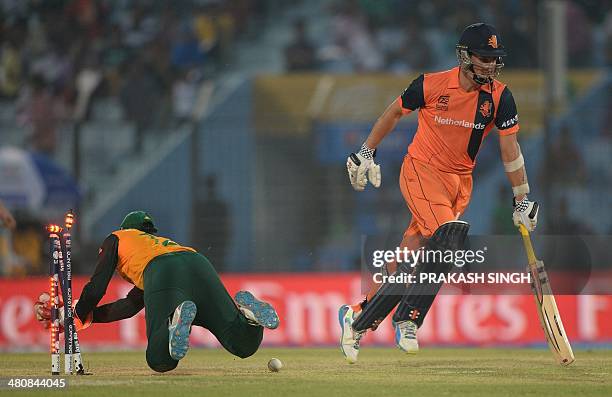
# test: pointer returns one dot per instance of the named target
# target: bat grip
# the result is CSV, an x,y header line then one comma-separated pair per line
x,y
527,243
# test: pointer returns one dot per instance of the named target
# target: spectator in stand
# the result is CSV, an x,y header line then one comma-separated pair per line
x,y
414,53
564,162
211,230
115,56
563,223
579,36
225,25
300,54
156,56
607,31
205,29
139,26
9,265
88,17
139,97
43,112
186,50
184,95
352,33
6,218
10,62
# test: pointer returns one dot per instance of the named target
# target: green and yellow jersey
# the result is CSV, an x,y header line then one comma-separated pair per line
x,y
137,249
129,251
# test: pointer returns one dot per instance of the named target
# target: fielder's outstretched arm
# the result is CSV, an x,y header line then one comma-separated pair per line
x,y
95,289
87,309
120,309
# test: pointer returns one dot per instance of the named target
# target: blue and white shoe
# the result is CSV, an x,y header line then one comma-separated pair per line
x,y
349,339
405,336
180,328
258,312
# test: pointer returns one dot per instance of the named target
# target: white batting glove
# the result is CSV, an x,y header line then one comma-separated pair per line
x,y
361,168
525,213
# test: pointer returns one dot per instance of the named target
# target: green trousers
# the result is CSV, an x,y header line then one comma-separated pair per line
x,y
174,278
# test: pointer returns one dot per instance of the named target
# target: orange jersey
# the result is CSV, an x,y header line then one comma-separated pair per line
x,y
452,123
137,249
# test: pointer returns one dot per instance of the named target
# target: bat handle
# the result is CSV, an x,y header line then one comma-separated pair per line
x,y
527,243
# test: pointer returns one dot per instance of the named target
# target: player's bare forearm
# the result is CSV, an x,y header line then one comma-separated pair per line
x,y
384,125
518,178
510,152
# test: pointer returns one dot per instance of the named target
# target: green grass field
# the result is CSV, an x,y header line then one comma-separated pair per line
x,y
323,372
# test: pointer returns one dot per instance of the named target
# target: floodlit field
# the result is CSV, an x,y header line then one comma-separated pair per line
x,y
323,372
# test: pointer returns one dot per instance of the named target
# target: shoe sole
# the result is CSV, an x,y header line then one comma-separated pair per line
x,y
264,313
178,343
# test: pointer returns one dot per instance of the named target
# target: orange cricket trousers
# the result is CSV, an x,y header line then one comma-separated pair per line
x,y
434,197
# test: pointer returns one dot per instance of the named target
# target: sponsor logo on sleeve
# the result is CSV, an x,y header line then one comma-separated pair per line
x,y
510,122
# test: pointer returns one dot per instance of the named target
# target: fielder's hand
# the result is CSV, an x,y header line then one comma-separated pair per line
x,y
526,213
42,309
361,168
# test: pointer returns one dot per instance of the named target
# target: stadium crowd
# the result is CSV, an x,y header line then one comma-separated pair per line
x,y
404,36
148,54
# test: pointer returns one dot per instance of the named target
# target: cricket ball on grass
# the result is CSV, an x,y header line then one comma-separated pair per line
x,y
275,365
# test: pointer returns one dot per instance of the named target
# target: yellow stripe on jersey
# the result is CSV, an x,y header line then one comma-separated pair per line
x,y
137,249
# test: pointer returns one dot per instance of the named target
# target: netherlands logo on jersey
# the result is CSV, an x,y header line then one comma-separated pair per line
x,y
485,109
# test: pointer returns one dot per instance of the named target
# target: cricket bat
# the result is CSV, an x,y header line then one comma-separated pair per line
x,y
550,320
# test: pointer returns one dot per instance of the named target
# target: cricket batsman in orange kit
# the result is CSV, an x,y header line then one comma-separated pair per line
x,y
457,109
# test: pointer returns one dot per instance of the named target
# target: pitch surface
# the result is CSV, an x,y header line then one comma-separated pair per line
x,y
323,372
